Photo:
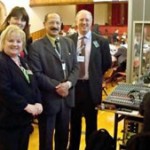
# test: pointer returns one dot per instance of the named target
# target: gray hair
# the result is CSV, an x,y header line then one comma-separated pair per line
x,y
85,12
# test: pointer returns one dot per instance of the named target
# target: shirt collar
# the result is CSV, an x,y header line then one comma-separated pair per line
x,y
87,35
52,39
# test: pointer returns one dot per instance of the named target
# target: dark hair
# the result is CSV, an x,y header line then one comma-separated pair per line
x,y
47,15
96,28
17,12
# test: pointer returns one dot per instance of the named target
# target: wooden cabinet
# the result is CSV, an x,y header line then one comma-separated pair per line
x,y
58,2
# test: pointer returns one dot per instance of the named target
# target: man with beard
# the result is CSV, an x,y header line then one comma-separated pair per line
x,y
53,59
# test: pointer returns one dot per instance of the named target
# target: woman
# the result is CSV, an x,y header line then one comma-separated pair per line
x,y
18,16
19,96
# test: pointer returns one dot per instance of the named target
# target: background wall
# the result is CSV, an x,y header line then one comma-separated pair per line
x,y
138,11
67,12
101,13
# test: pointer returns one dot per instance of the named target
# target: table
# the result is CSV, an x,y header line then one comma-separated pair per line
x,y
119,116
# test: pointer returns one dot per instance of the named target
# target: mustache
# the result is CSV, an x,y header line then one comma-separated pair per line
x,y
55,29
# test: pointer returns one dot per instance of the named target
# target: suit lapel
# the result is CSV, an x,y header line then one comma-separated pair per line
x,y
14,67
93,47
48,45
75,39
64,49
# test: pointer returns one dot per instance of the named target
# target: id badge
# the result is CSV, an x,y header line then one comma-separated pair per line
x,y
63,66
81,58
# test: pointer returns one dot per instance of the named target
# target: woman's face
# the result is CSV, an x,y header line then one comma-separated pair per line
x,y
13,44
18,21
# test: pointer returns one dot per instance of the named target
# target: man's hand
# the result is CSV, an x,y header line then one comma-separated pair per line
x,y
63,89
39,108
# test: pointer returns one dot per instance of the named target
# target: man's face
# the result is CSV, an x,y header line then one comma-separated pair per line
x,y
53,25
84,22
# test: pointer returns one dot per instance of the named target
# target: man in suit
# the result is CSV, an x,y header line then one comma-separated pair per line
x,y
88,91
53,59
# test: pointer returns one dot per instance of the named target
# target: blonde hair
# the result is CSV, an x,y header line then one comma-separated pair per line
x,y
8,31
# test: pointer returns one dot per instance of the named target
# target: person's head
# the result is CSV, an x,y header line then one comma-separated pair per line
x,y
12,40
83,21
52,23
96,28
117,31
17,16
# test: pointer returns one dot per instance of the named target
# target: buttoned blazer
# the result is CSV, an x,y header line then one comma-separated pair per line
x,y
47,66
15,93
100,61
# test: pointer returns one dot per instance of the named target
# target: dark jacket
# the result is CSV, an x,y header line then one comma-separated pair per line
x,y
47,67
15,93
100,61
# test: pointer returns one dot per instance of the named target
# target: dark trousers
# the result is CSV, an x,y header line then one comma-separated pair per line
x,y
15,139
84,107
57,126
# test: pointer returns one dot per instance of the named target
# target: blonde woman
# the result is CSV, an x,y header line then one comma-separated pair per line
x,y
19,95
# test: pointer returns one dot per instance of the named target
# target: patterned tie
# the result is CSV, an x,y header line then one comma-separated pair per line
x,y
57,47
82,53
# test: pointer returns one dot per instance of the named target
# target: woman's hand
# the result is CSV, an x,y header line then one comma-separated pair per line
x,y
34,109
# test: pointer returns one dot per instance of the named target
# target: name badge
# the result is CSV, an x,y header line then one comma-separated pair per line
x,y
96,44
80,58
63,66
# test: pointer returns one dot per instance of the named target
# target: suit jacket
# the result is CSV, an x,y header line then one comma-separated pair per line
x,y
47,66
100,61
15,93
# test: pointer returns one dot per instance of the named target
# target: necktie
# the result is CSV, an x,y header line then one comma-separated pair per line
x,y
82,54
57,47
58,50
